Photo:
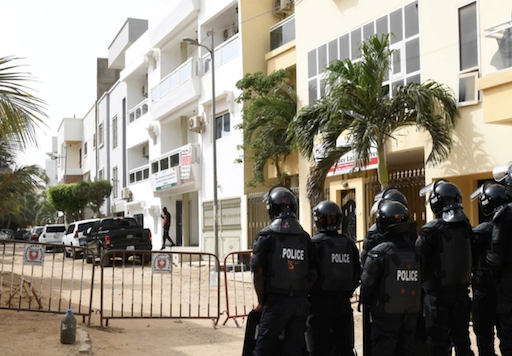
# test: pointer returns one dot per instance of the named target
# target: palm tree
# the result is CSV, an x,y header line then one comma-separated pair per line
x,y
270,106
356,102
20,111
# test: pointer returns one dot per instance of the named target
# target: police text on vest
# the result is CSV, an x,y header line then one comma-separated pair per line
x,y
340,258
407,275
293,254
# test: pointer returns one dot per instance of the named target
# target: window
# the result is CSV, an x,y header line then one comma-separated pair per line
x,y
468,54
154,167
223,125
468,38
164,163
114,132
403,28
80,158
85,149
115,182
100,174
100,135
175,160
94,140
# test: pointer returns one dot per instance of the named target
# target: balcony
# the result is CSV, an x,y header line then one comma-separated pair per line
x,y
224,53
177,171
282,33
138,111
497,90
177,89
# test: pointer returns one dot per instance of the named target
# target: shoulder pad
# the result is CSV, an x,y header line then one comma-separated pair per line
x,y
321,236
287,226
265,232
483,227
381,249
503,210
430,226
373,228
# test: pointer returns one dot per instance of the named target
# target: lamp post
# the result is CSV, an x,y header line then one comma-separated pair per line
x,y
214,139
54,156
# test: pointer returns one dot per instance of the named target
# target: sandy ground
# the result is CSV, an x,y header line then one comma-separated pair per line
x,y
187,287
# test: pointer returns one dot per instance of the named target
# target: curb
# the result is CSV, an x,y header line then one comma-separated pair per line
x,y
85,347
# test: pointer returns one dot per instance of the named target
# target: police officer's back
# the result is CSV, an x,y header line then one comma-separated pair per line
x,y
373,237
330,326
284,266
500,258
391,283
445,245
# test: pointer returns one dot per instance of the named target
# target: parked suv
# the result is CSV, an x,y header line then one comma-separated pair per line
x,y
35,233
75,237
52,234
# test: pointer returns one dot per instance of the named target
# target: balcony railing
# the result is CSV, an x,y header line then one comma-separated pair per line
x,y
138,174
223,54
138,111
282,33
173,80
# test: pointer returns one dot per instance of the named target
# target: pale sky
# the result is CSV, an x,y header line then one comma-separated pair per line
x,y
60,41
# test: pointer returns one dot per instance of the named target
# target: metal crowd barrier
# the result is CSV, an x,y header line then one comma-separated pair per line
x,y
165,285
240,294
37,277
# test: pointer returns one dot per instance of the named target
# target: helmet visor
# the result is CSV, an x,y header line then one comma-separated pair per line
x,y
375,208
379,195
501,172
479,191
427,189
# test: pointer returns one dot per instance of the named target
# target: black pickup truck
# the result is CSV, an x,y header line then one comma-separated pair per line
x,y
117,234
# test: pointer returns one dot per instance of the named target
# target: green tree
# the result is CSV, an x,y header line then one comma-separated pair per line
x,y
20,111
357,102
270,104
95,193
45,212
63,198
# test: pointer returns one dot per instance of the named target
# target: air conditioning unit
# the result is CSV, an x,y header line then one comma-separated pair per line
x,y
282,6
126,194
145,90
145,151
196,124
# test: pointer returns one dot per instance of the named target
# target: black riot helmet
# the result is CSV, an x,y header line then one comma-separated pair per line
x,y
392,193
281,202
490,197
393,218
327,216
443,196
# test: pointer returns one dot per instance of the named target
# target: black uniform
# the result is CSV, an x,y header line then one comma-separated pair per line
x,y
330,326
373,238
446,250
499,258
286,255
391,286
483,283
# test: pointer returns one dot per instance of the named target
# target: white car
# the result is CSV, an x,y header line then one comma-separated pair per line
x,y
75,237
52,234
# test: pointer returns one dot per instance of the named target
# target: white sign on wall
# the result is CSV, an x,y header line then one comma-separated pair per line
x,y
186,160
33,254
167,178
162,263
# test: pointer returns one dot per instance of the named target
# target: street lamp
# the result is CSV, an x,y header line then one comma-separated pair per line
x,y
215,214
55,156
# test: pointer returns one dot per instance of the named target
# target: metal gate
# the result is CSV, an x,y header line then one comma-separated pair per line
x,y
409,182
37,277
165,285
257,216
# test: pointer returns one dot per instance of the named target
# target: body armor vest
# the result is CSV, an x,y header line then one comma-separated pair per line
x,y
336,265
400,288
452,263
289,265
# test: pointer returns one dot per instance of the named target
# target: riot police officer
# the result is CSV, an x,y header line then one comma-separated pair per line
x,y
445,244
373,238
284,266
500,259
391,283
330,325
491,196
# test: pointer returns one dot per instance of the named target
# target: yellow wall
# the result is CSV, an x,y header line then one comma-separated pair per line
x,y
478,146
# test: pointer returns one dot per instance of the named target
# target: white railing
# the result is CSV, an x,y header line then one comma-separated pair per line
x,y
183,73
228,50
138,174
282,33
138,111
